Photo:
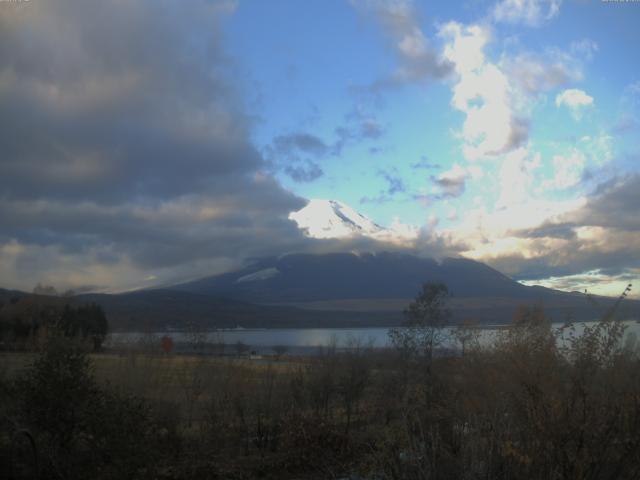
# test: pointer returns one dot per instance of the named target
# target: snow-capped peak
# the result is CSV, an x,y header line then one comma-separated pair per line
x,y
335,219
332,219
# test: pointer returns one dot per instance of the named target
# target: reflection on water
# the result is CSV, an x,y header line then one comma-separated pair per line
x,y
316,337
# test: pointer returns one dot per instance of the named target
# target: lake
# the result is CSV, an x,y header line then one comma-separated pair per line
x,y
306,339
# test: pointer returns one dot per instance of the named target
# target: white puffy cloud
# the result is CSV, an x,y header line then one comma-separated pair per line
x,y
516,176
483,93
575,100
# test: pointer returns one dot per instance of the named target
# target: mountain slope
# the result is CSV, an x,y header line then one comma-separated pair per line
x,y
385,283
307,278
158,309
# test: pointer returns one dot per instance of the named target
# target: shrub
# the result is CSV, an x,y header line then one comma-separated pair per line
x,y
81,430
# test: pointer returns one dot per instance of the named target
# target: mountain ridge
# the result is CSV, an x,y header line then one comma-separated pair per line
x,y
309,277
333,290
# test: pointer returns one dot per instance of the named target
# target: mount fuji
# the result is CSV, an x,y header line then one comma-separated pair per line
x,y
339,289
332,219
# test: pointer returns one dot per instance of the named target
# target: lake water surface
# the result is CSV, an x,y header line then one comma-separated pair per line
x,y
306,338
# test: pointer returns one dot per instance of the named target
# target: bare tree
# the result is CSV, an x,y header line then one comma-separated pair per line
x,y
426,316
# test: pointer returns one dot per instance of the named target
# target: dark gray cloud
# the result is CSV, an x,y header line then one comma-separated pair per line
x,y
297,154
450,187
567,263
125,146
518,135
451,184
299,142
307,173
90,113
549,230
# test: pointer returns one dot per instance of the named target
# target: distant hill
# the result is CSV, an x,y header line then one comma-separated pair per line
x,y
8,295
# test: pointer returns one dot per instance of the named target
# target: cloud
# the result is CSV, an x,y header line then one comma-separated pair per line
x,y
369,128
356,130
110,117
240,219
425,163
629,116
482,91
394,181
598,280
294,154
498,97
297,153
535,73
585,48
567,170
303,174
119,162
614,205
395,185
299,142
600,234
516,176
417,59
574,99
564,232
532,13
452,182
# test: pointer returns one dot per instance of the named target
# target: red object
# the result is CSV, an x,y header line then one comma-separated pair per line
x,y
167,344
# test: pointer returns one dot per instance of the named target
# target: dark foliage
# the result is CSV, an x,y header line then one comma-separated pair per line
x,y
81,430
31,317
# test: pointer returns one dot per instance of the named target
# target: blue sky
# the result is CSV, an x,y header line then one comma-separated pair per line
x,y
158,141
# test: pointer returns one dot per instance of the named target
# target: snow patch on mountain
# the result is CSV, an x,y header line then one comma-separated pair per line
x,y
259,275
334,219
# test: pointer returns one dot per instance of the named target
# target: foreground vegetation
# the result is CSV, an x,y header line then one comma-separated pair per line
x,y
526,407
